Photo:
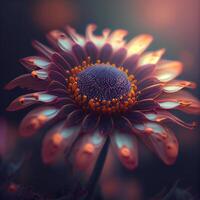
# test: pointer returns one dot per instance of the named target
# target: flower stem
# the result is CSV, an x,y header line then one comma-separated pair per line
x,y
92,183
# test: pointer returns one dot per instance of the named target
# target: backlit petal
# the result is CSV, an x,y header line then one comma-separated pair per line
x,y
176,85
126,147
100,40
168,70
60,39
181,100
35,62
30,99
169,104
79,39
27,81
159,116
57,141
139,44
116,38
87,150
36,119
151,57
162,141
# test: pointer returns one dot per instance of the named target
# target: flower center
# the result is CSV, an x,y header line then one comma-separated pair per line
x,y
103,82
102,87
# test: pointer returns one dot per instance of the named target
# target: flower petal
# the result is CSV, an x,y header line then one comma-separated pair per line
x,y
40,74
100,40
60,40
147,82
30,99
126,147
130,63
75,117
159,116
135,116
150,92
105,53
43,49
27,81
162,141
177,85
36,119
70,58
92,51
90,122
56,76
58,68
106,124
118,56
123,124
169,104
116,38
181,100
139,44
35,62
61,61
79,53
147,104
87,149
56,142
77,38
144,72
150,57
168,70
56,85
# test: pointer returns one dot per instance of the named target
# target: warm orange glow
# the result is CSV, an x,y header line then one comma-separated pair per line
x,y
138,44
151,57
98,40
175,86
42,118
168,70
125,152
148,130
88,148
116,39
57,138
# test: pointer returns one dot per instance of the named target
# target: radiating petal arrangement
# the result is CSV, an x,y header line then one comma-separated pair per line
x,y
101,86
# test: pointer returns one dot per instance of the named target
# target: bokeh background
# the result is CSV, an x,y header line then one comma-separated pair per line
x,y
174,25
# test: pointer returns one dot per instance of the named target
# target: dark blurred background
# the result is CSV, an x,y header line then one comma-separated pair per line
x,y
174,25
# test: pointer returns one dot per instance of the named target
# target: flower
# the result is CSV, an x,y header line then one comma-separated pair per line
x,y
95,87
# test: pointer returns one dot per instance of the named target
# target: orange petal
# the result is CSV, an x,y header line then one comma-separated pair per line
x,y
177,85
151,57
56,141
168,70
162,141
99,40
126,148
36,119
116,39
139,44
187,102
87,150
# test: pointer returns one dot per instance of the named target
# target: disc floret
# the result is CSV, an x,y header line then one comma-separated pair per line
x,y
86,79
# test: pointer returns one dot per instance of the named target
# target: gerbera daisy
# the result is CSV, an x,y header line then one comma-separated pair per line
x,y
96,87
